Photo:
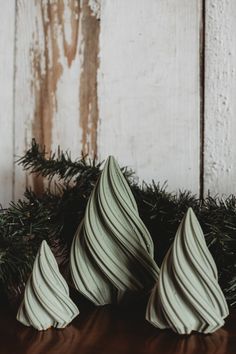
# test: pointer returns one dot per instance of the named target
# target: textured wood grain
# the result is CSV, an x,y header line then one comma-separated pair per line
x,y
7,28
220,103
149,88
56,63
88,80
122,80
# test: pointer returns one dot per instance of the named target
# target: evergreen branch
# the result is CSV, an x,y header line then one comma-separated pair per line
x,y
36,161
23,226
56,215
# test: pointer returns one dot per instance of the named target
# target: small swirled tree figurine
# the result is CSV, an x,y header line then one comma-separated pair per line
x,y
46,300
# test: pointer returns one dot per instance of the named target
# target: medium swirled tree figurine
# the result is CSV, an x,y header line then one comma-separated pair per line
x,y
46,300
187,296
112,251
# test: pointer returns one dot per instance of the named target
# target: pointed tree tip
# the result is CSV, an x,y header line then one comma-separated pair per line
x,y
190,211
111,160
44,245
189,214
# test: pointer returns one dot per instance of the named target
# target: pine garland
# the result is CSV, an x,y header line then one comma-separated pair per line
x,y
55,215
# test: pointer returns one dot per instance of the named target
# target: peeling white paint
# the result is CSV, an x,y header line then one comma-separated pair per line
x,y
95,6
30,39
66,117
148,84
67,20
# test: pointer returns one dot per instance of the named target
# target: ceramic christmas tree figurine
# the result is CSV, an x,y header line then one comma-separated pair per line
x,y
187,296
46,300
112,251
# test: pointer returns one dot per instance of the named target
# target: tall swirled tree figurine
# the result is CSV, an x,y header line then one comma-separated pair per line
x,y
187,296
46,300
112,251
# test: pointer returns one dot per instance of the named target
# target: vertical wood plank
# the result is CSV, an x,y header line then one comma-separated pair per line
x,y
7,29
47,71
90,28
149,88
220,102
54,43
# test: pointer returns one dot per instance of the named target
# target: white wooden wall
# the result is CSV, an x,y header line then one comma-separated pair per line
x,y
151,82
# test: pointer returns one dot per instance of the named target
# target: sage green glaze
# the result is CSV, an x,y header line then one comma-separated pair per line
x,y
46,300
112,251
187,296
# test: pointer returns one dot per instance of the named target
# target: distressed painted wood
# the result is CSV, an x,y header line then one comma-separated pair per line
x,y
56,86
120,77
220,102
7,29
149,88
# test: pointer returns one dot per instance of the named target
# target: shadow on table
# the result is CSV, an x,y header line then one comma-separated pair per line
x,y
108,330
170,343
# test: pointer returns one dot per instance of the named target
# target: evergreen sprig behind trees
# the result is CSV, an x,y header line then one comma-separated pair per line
x,y
56,213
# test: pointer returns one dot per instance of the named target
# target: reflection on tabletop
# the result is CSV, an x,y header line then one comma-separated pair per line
x,y
167,343
111,330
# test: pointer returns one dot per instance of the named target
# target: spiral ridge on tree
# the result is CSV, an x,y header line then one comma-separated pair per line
x,y
112,251
46,300
187,296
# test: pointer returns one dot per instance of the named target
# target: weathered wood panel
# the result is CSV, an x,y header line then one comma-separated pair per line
x,y
89,114
7,29
56,87
149,88
220,98
122,80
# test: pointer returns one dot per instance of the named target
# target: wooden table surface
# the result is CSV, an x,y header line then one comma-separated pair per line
x,y
111,330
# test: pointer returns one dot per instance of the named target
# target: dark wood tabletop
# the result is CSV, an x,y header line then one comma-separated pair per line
x,y
111,330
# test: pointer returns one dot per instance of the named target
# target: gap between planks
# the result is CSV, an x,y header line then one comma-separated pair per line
x,y
202,97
